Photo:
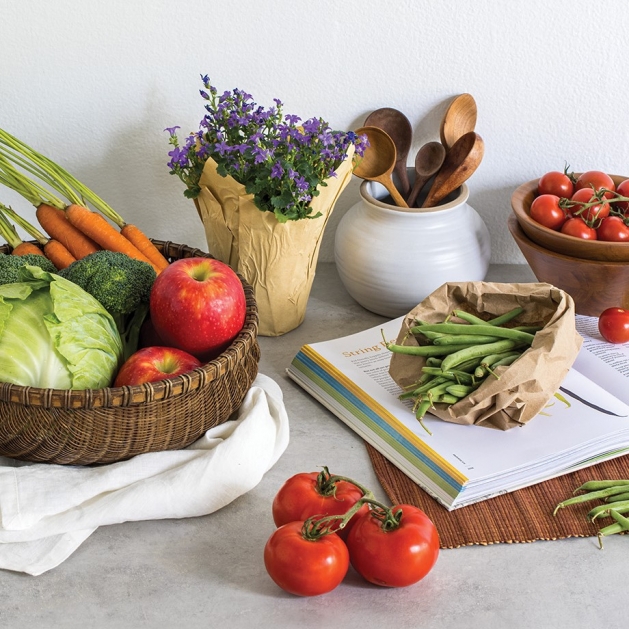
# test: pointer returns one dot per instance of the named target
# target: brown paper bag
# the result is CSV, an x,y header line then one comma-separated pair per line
x,y
523,388
277,259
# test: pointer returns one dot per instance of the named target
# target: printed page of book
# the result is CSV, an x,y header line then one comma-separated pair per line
x,y
605,363
586,414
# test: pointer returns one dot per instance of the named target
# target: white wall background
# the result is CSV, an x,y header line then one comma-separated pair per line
x,y
93,83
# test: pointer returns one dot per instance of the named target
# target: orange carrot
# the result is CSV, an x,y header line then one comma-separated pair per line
x,y
52,249
25,248
58,254
98,229
58,227
138,238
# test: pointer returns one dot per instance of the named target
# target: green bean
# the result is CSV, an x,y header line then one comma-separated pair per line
x,y
618,498
475,351
602,511
621,519
528,328
506,361
446,398
420,411
460,377
593,495
507,316
469,365
594,485
503,318
460,390
433,361
431,336
425,350
487,330
453,339
469,317
612,529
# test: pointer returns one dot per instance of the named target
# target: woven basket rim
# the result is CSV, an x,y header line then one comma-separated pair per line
x,y
151,391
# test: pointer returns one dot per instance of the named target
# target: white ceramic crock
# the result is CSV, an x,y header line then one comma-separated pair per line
x,y
389,260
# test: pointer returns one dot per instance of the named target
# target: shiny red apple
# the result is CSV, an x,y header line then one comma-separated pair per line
x,y
198,305
151,364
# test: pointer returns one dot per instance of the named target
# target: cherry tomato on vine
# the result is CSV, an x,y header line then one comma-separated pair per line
x,y
303,565
546,211
394,553
623,190
556,183
588,214
311,494
613,229
595,179
613,324
578,228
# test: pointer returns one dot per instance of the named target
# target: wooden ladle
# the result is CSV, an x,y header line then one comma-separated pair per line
x,y
378,161
459,119
428,161
461,161
399,129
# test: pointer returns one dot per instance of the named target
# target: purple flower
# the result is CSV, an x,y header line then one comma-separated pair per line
x,y
292,119
172,130
276,171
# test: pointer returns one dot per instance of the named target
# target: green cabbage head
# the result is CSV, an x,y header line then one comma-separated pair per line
x,y
54,334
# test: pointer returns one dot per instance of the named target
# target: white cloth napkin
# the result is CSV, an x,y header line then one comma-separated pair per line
x,y
47,511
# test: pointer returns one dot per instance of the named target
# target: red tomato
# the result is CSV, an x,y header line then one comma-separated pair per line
x,y
546,211
396,557
614,229
613,324
556,183
623,190
310,494
586,195
302,566
595,179
578,228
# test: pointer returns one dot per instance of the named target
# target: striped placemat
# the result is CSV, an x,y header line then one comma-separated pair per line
x,y
525,515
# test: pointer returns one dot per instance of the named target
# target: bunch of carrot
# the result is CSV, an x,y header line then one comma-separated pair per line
x,y
70,223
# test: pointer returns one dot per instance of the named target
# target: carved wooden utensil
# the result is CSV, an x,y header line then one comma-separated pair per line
x,y
428,161
399,129
459,119
461,161
378,161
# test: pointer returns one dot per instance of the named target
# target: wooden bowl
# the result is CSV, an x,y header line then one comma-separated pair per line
x,y
594,285
561,243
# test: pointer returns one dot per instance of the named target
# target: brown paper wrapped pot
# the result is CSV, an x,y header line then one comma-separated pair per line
x,y
277,259
524,388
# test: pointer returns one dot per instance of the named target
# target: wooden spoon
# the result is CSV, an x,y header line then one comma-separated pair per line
x,y
378,161
428,161
398,127
459,119
460,163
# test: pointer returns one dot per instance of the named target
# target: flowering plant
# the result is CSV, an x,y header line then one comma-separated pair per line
x,y
278,160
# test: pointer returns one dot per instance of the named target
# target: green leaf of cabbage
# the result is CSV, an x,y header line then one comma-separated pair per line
x,y
54,334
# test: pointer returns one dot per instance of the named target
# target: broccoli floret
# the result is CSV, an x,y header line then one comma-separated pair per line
x,y
9,266
121,284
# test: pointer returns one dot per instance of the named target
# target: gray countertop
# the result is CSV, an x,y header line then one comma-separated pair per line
x,y
208,571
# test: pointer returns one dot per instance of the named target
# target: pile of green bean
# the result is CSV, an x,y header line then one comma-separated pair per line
x,y
460,354
615,496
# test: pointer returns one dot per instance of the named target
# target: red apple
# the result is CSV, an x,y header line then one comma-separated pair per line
x,y
198,305
150,364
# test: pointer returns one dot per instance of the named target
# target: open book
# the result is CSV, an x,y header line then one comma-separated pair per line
x,y
586,421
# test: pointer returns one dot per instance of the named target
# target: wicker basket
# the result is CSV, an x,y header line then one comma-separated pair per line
x,y
113,424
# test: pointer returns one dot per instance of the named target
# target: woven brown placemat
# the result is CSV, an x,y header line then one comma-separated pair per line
x,y
525,515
